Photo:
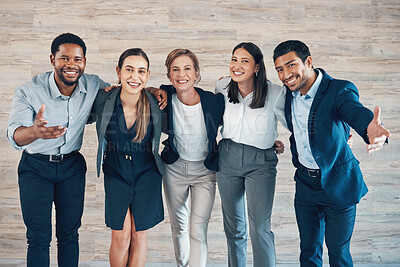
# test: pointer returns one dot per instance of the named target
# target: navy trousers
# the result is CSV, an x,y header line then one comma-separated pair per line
x,y
41,183
317,217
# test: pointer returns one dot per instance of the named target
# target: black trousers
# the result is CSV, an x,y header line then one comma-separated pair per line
x,y
41,183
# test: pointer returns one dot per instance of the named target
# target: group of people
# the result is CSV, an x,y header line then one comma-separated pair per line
x,y
49,114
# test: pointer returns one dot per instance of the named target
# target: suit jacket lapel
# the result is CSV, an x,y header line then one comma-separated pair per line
x,y
206,110
288,109
156,117
170,111
107,112
326,79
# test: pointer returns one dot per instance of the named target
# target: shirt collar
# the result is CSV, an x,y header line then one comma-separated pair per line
x,y
55,92
249,96
314,88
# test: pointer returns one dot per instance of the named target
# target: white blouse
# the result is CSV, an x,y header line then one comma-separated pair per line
x,y
190,130
254,127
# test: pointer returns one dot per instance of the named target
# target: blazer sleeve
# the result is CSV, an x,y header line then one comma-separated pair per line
x,y
352,111
101,97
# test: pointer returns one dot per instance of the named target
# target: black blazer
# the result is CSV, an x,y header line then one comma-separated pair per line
x,y
213,106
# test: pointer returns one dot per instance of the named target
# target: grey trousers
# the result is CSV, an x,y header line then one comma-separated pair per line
x,y
183,180
246,172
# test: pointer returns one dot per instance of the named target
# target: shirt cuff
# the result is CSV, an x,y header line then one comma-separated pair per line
x,y
10,136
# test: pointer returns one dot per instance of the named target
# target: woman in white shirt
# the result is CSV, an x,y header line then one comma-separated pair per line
x,y
190,155
247,160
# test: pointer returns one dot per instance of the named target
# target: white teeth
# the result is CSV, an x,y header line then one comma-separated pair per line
x,y
185,81
134,84
291,80
70,72
238,73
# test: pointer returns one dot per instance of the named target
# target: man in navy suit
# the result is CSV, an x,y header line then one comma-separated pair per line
x,y
319,111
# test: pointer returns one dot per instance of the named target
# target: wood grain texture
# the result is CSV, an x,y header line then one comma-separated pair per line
x,y
358,40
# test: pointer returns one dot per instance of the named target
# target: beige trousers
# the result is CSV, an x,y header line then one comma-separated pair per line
x,y
184,181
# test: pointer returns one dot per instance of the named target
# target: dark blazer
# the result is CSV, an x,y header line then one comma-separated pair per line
x,y
213,106
335,108
102,110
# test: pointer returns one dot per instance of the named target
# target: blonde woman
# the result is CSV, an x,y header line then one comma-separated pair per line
x,y
191,157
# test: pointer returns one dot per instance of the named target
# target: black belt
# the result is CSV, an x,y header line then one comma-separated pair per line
x,y
53,158
311,172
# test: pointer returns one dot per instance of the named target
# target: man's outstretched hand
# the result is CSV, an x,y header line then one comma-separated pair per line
x,y
26,135
43,132
377,134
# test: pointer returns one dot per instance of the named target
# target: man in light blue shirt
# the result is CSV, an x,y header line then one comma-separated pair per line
x,y
301,105
47,121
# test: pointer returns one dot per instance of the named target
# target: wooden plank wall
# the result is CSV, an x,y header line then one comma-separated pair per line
x,y
358,40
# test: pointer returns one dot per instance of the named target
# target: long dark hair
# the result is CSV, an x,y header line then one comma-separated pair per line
x,y
260,80
143,106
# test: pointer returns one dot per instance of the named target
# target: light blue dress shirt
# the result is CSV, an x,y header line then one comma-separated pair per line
x,y
68,111
301,105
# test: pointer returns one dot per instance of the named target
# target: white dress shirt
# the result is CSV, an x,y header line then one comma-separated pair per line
x,y
253,127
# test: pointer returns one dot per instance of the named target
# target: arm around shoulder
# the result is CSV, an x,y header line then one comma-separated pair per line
x,y
222,85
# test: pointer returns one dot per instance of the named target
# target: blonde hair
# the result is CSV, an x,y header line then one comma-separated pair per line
x,y
142,117
183,52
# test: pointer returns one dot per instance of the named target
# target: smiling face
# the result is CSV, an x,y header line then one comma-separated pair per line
x,y
243,66
182,73
69,64
133,74
294,73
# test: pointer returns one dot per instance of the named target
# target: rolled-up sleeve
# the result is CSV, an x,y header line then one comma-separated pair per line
x,y
21,114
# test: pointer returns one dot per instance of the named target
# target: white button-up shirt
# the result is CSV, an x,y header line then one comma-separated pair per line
x,y
253,127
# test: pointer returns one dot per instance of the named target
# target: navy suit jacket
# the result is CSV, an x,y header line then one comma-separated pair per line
x,y
335,109
213,106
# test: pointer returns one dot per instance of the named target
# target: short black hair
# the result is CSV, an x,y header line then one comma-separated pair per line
x,y
300,48
67,38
